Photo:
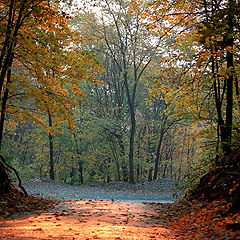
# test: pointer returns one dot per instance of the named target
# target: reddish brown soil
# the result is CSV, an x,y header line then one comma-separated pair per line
x,y
89,220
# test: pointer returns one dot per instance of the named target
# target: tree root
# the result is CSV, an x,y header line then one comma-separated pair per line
x,y
10,168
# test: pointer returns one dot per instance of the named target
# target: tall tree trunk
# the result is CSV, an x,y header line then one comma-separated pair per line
x,y
118,171
229,95
51,159
116,159
237,91
226,134
4,105
150,175
80,169
181,156
155,175
5,179
108,172
131,102
122,154
10,43
164,170
138,172
131,150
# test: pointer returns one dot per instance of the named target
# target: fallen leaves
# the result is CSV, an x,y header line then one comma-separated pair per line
x,y
16,203
111,223
190,220
199,220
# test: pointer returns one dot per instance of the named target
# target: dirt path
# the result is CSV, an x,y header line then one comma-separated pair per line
x,y
89,220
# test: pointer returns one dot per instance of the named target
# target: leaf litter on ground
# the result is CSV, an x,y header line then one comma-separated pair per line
x,y
15,203
200,220
189,220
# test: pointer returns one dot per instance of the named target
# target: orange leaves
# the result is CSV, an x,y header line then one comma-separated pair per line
x,y
16,202
235,186
203,58
77,91
46,66
202,221
49,70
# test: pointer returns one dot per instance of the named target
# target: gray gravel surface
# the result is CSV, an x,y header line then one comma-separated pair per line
x,y
161,190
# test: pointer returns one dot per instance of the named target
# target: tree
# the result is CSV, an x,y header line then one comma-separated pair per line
x,y
36,41
213,29
13,16
126,44
220,19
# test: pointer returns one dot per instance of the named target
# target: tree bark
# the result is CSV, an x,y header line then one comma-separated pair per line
x,y
5,180
4,106
237,91
51,159
9,45
155,175
150,175
116,159
80,169
131,150
122,154
229,95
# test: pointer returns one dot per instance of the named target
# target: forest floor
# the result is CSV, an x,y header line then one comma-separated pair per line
x,y
23,218
88,219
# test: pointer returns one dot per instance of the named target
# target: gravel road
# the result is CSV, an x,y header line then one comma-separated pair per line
x,y
161,190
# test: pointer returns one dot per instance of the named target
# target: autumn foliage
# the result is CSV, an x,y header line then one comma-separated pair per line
x,y
222,182
15,202
183,54
201,220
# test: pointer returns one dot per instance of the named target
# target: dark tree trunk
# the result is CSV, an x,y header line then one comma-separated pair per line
x,y
124,171
4,105
108,172
80,169
51,159
226,92
10,43
122,154
164,170
131,150
138,172
150,175
117,167
237,91
155,175
116,159
226,129
131,102
4,180
229,106
181,157
118,171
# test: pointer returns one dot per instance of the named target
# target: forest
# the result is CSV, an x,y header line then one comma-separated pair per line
x,y
122,91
